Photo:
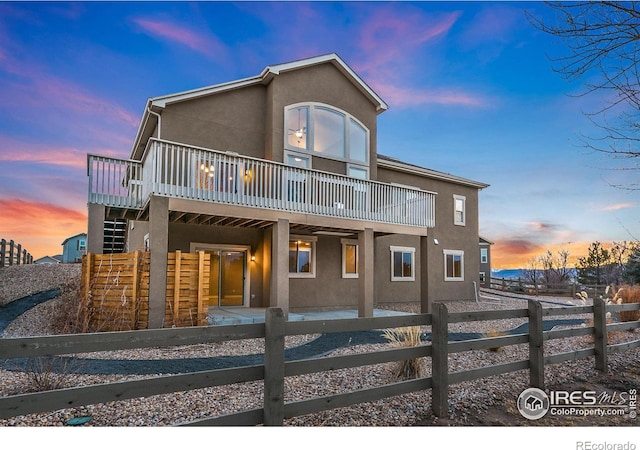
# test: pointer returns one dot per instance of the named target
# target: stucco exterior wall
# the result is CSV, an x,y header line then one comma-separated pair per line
x,y
228,121
448,235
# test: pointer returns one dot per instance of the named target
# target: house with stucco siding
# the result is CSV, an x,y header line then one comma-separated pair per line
x,y
280,179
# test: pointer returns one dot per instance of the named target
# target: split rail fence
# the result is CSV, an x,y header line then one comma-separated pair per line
x,y
518,285
275,369
115,290
13,254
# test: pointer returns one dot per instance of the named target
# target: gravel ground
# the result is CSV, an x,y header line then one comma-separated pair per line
x,y
491,401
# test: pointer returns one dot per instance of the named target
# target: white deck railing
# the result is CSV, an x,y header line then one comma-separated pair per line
x,y
176,170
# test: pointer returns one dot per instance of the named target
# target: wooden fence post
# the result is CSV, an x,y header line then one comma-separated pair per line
x,y
536,345
440,360
202,306
600,333
133,315
11,250
3,251
18,254
176,289
274,367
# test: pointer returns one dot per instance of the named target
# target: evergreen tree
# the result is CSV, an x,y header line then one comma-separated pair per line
x,y
632,274
591,269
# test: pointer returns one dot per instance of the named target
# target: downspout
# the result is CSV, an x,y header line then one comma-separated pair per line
x,y
159,121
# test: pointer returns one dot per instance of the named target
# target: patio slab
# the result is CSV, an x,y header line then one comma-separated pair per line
x,y
242,315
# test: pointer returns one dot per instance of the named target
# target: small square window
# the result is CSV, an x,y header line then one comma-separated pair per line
x,y
403,263
453,265
459,214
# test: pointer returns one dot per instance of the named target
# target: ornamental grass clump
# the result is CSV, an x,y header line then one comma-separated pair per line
x,y
492,333
406,337
626,295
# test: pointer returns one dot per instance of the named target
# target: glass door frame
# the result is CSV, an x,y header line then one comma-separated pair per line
x,y
197,246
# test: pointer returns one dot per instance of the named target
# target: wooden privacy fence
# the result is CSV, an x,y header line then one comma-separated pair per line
x,y
275,369
115,291
13,254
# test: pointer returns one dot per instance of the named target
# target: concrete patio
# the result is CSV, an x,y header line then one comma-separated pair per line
x,y
242,315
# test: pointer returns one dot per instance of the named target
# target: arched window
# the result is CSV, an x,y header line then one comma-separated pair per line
x,y
325,131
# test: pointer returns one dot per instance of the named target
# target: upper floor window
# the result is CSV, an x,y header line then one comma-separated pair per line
x,y
326,131
459,214
484,255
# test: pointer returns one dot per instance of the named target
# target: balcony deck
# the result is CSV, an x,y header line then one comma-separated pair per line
x,y
184,174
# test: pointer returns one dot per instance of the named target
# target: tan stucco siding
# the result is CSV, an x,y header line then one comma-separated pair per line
x,y
228,121
448,235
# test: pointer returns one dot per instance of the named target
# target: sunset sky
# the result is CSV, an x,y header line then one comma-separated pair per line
x,y
470,88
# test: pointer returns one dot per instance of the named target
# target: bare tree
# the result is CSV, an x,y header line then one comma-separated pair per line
x,y
603,40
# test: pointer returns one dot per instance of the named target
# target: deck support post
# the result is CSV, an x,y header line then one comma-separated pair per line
x,y
365,273
279,286
159,249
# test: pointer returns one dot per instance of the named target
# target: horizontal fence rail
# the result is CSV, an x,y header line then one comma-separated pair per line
x,y
275,369
569,289
13,254
180,171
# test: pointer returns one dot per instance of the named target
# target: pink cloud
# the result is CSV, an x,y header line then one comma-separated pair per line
x,y
206,44
619,206
17,151
40,90
381,34
407,97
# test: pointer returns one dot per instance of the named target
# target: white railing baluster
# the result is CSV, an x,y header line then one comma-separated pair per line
x,y
176,170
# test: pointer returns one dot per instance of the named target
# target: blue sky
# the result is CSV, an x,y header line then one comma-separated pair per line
x,y
470,88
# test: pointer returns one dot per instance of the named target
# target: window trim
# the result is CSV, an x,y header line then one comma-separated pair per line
x,y
312,240
464,210
345,243
483,277
298,154
395,249
310,150
460,253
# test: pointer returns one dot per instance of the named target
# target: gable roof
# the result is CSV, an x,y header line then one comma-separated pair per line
x,y
73,237
156,104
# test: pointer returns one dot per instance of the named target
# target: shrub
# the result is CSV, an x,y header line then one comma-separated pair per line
x,y
68,318
406,337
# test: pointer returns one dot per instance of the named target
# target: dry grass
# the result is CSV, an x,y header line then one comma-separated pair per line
x,y
494,333
406,337
626,295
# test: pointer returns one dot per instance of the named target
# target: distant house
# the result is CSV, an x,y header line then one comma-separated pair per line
x,y
485,262
73,248
47,260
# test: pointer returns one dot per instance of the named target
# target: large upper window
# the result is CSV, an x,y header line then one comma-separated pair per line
x,y
326,131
